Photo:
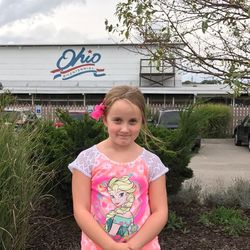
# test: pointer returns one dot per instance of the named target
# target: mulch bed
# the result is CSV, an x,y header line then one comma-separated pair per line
x,y
198,236
64,234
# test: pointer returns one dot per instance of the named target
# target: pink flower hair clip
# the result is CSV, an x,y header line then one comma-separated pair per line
x,y
98,111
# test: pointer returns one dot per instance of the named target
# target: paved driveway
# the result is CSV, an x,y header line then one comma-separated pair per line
x,y
220,161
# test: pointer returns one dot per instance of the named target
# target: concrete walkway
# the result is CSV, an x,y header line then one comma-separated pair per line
x,y
219,162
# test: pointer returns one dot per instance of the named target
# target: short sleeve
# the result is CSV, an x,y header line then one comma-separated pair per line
x,y
155,165
84,161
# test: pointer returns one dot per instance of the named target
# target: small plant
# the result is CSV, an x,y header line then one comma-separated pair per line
x,y
190,192
231,220
218,196
238,194
176,223
240,191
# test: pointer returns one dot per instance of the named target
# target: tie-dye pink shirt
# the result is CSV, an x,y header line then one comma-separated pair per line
x,y
119,193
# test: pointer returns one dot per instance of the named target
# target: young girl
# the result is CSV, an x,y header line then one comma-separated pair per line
x,y
119,188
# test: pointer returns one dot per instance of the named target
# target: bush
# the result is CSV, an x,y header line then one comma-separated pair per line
x,y
190,193
173,153
6,99
215,120
61,146
232,221
236,195
22,179
176,223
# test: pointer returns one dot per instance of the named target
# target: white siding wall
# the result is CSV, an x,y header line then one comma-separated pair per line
x,y
27,69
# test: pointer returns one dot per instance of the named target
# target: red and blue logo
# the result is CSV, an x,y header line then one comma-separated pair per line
x,y
70,64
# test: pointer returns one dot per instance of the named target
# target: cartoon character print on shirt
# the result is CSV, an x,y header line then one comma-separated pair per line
x,y
120,221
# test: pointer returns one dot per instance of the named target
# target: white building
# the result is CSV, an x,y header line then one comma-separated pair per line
x,y
84,73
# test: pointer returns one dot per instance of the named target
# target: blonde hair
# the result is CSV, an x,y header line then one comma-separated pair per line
x,y
129,93
123,184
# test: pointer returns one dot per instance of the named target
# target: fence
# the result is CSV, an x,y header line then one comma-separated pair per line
x,y
239,113
49,111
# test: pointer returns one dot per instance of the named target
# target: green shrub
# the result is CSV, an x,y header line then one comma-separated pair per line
x,y
177,147
22,179
5,99
216,120
232,221
175,222
61,146
173,154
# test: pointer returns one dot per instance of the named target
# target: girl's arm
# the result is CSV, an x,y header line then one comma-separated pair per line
x,y
158,217
81,191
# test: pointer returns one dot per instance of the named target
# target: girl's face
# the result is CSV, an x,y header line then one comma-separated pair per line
x,y
119,197
123,121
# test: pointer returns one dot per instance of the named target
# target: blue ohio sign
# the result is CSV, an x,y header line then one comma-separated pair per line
x,y
71,64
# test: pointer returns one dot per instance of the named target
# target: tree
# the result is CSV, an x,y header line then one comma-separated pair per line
x,y
6,99
210,36
210,82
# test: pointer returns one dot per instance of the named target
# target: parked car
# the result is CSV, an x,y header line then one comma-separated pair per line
x,y
242,132
18,116
170,119
73,114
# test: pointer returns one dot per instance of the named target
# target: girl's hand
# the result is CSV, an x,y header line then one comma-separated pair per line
x,y
118,246
132,246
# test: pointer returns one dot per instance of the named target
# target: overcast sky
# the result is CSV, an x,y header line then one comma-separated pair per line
x,y
55,21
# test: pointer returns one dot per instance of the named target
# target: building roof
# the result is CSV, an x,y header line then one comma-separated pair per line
x,y
82,44
198,89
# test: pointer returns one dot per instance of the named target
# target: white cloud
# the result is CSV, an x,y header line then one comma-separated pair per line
x,y
55,21
13,10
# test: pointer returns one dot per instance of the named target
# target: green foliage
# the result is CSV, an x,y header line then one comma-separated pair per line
x,y
5,99
204,26
210,82
62,145
22,178
216,120
202,82
232,221
176,223
176,147
189,82
173,154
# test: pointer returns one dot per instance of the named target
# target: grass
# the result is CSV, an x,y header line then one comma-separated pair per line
x,y
232,221
22,179
176,222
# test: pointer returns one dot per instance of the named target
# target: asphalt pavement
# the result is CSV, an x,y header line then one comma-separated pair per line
x,y
219,162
